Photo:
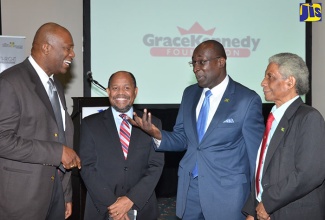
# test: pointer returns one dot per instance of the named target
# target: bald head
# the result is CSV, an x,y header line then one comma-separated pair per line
x,y
52,48
214,47
47,34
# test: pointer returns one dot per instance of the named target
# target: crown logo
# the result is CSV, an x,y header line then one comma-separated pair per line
x,y
196,29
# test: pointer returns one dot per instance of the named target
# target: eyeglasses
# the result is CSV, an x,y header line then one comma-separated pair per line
x,y
200,62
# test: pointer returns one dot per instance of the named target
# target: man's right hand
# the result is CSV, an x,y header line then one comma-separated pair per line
x,y
145,124
70,158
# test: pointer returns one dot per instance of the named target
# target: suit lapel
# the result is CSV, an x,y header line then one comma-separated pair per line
x,y
39,88
135,133
280,131
113,137
223,108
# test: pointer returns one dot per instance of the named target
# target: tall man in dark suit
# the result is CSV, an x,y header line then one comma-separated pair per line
x,y
215,172
117,179
32,143
291,183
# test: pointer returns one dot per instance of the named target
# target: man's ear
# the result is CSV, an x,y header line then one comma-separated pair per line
x,y
222,62
291,81
46,48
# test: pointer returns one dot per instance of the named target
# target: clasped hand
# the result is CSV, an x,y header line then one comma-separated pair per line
x,y
119,210
70,158
261,212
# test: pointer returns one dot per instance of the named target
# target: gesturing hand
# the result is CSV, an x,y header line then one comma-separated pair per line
x,y
145,124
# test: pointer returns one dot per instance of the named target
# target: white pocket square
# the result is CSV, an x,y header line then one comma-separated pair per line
x,y
229,120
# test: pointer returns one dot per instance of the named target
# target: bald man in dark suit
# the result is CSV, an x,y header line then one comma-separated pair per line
x,y
31,145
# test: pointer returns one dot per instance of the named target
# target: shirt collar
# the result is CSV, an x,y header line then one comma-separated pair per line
x,y
40,72
279,112
220,88
116,114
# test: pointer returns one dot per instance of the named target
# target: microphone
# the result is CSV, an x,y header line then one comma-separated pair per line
x,y
91,80
90,76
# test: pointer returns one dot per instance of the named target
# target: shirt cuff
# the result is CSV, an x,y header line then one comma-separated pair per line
x,y
157,142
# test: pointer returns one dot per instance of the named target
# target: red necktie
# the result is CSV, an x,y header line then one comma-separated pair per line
x,y
125,135
269,121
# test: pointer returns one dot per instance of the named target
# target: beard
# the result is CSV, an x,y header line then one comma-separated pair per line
x,y
120,106
122,110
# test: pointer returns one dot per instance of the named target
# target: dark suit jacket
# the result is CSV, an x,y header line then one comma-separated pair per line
x,y
107,175
29,148
294,170
226,155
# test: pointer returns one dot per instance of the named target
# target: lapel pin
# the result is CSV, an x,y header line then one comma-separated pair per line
x,y
227,100
282,129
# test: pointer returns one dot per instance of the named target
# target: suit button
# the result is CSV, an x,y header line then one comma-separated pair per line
x,y
52,178
126,169
55,135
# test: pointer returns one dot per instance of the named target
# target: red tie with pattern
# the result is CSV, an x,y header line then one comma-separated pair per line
x,y
125,135
269,121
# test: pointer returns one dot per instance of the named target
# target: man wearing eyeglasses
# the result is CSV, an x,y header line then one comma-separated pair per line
x,y
221,146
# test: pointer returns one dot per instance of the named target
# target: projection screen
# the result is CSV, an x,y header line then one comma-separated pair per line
x,y
155,40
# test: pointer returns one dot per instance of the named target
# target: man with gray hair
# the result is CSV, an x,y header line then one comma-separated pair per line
x,y
290,169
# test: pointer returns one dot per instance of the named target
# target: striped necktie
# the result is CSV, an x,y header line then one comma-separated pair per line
x,y
125,135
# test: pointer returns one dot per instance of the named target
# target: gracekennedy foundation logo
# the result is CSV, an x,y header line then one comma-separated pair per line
x,y
183,45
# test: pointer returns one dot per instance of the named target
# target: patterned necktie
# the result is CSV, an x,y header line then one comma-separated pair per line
x,y
269,121
201,124
125,135
54,98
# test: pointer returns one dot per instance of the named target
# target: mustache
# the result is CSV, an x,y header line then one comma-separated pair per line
x,y
121,96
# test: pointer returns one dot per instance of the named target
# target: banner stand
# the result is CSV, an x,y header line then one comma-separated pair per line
x,y
12,51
